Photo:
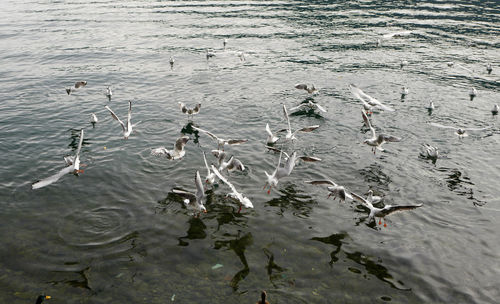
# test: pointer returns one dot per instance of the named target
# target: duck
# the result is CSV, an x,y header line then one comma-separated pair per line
x,y
41,298
263,296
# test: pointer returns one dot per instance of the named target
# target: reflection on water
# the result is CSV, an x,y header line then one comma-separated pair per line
x,y
371,266
274,271
238,245
82,280
195,231
292,200
461,184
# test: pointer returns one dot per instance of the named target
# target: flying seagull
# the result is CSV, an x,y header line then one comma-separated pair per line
x,y
127,128
196,200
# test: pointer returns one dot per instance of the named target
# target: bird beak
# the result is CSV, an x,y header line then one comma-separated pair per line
x,y
47,297
204,211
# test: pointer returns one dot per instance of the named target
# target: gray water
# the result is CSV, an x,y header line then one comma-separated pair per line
x,y
116,233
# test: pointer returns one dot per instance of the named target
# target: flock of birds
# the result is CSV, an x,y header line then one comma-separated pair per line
x,y
287,160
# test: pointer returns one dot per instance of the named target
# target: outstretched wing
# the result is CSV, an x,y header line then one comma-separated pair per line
x,y
285,112
200,191
180,143
309,158
390,138
159,151
477,129
52,179
362,200
77,154
223,179
116,118
235,164
197,108
320,108
301,86
367,123
236,141
188,195
287,169
321,182
182,106
300,106
206,132
129,116
391,209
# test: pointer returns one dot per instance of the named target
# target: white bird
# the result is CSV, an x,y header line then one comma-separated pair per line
x,y
127,128
109,93
367,99
273,179
377,141
73,166
224,43
231,165
310,105
210,179
241,55
171,61
429,152
430,107
382,212
69,90
244,201
404,92
189,111
210,54
93,119
335,190
310,89
291,135
472,93
489,68
374,199
461,132
221,142
194,201
271,138
403,63
302,157
177,153
494,111
80,84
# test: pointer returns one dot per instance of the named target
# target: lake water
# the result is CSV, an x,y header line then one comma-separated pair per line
x,y
117,234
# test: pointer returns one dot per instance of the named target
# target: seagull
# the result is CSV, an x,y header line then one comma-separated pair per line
x,y
429,152
127,129
72,166
244,201
231,165
273,179
271,138
224,42
404,92
189,111
210,54
382,212
335,190
461,132
69,90
367,100
403,63
241,55
494,111
472,93
489,68
377,141
310,105
291,136
220,155
93,119
109,93
177,153
210,179
195,201
430,107
220,141
310,89
374,199
171,61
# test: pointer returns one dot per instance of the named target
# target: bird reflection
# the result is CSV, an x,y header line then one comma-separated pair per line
x,y
299,204
274,271
195,231
374,174
238,245
335,240
83,282
75,139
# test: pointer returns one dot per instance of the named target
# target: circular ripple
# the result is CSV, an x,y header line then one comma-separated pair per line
x,y
98,227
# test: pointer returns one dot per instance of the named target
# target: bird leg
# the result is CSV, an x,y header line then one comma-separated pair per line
x,y
269,191
385,225
239,210
380,221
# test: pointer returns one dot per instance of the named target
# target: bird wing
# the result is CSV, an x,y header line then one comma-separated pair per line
x,y
80,84
308,129
301,86
372,101
182,106
190,196
278,150
321,182
477,129
300,106
223,179
197,108
285,112
236,141
367,123
391,209
290,164
390,138
309,158
362,200
443,126
200,191
116,118
206,164
235,163
52,179
206,132
320,107
268,130
159,151
77,154
129,116
180,143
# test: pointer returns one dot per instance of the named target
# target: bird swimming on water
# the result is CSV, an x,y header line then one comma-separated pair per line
x,y
263,296
472,93
494,111
41,298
